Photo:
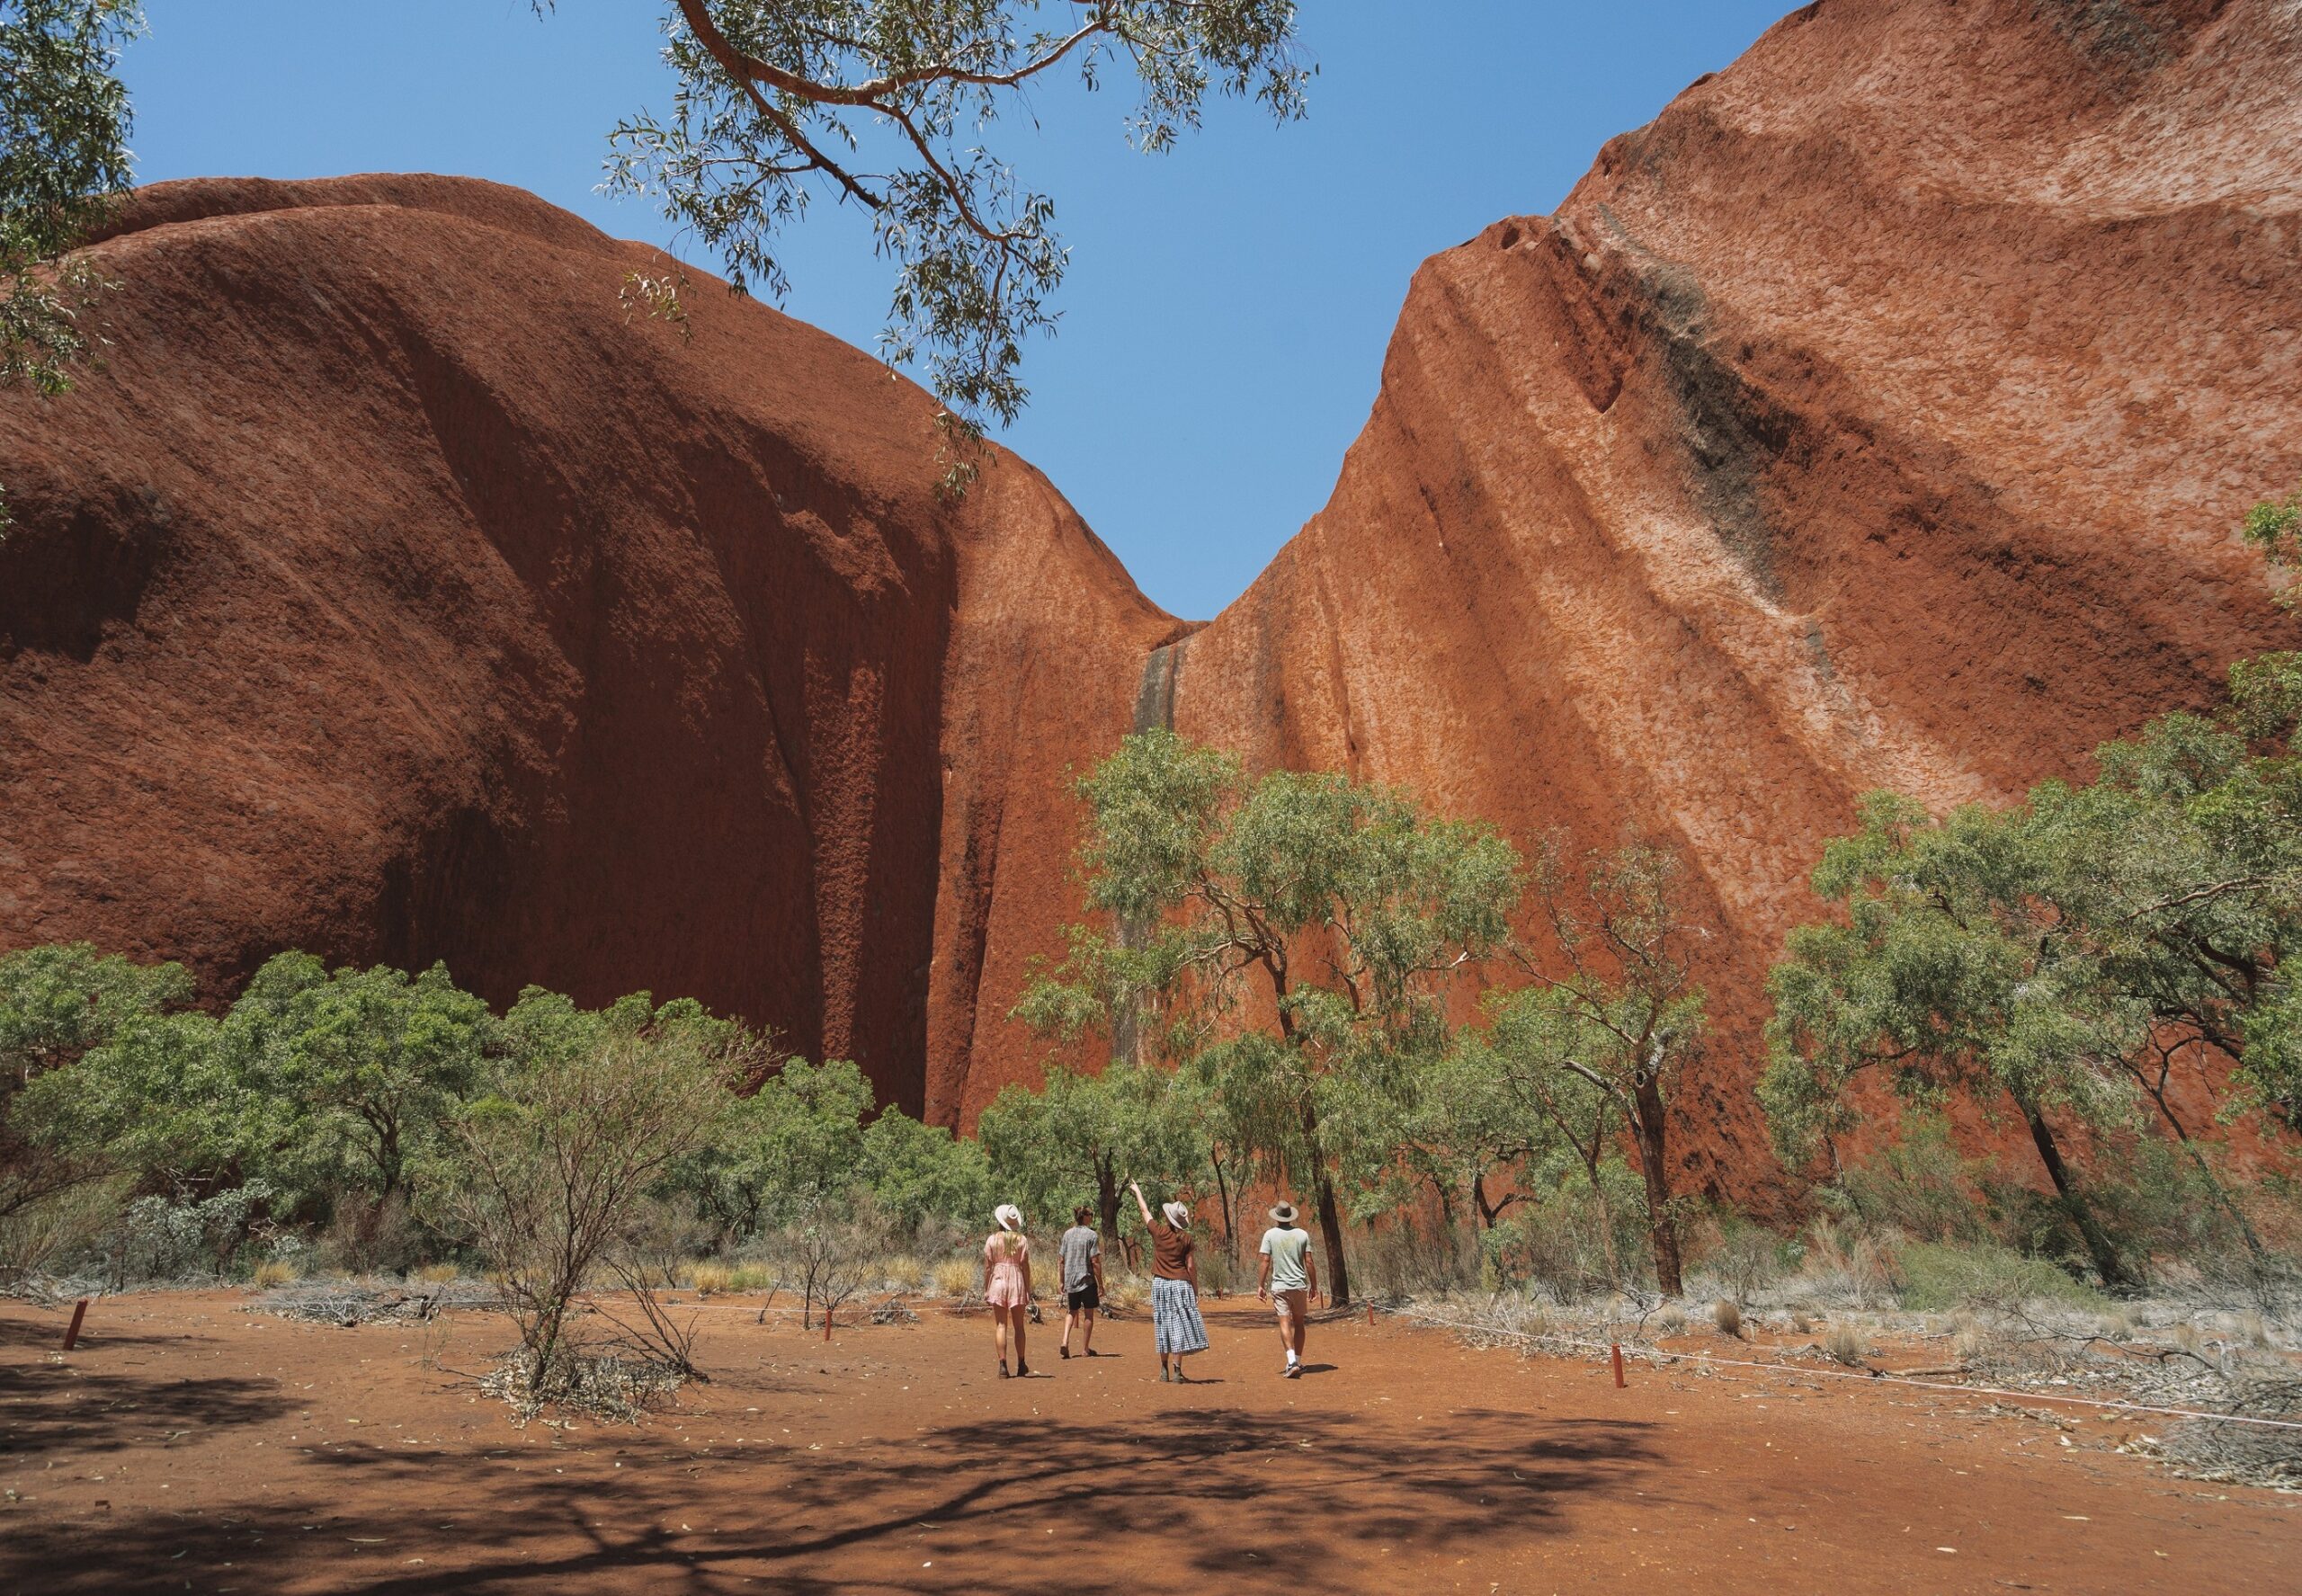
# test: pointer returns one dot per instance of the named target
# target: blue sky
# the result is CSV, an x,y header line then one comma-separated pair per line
x,y
1227,304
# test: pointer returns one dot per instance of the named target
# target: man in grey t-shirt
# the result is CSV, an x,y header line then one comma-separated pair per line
x,y
1082,1283
1289,1281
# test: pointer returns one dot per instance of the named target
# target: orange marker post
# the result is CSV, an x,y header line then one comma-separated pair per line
x,y
79,1312
827,1325
1615,1348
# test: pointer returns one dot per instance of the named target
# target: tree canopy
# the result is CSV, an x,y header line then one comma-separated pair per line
x,y
64,127
1292,940
886,104
2068,953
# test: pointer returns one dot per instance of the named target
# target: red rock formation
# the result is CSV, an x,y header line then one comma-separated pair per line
x,y
387,592
1879,415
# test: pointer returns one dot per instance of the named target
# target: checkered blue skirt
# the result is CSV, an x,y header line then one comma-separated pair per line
x,y
1176,1323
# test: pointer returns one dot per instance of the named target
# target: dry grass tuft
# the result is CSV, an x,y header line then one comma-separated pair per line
x,y
1672,1319
437,1274
905,1274
955,1277
712,1279
1843,1345
274,1273
1727,1316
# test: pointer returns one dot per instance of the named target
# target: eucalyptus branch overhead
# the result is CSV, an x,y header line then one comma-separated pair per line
x,y
886,104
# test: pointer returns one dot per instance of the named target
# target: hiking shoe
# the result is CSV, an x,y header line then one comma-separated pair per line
x,y
1064,1353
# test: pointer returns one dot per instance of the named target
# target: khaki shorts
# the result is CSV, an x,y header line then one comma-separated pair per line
x,y
1296,1304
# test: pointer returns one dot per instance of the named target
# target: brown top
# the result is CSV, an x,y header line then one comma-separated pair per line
x,y
1170,1252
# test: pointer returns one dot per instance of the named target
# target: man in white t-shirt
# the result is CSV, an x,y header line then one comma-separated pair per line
x,y
1290,1282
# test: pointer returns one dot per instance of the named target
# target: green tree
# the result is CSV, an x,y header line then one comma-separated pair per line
x,y
58,1004
783,1151
1600,1040
1301,934
1083,1137
551,1166
345,1082
1504,1102
885,104
1939,978
2275,526
64,125
923,1173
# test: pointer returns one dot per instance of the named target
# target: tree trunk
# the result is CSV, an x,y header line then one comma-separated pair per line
x,y
1589,1157
2098,1244
1230,1217
1331,1239
1662,1222
1330,1213
2206,1171
1487,1214
1107,1199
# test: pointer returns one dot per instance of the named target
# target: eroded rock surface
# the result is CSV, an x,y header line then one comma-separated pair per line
x,y
1879,416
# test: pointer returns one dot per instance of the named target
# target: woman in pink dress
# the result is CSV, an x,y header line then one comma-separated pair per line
x,y
1007,1284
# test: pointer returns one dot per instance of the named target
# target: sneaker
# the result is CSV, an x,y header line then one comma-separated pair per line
x,y
1064,1353
1294,1371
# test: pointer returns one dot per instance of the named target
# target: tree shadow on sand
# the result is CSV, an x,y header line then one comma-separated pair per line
x,y
49,1407
1207,1499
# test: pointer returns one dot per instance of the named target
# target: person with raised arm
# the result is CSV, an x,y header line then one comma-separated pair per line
x,y
1175,1323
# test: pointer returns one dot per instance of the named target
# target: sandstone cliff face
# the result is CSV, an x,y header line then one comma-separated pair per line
x,y
1879,415
388,594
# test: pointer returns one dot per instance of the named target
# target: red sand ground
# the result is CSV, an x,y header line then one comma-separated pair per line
x,y
187,1445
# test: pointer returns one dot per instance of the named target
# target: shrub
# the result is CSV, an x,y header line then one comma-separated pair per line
x,y
550,1167
1937,1276
833,1252
274,1272
1672,1318
754,1277
1841,1344
1743,1257
157,1239
1569,1242
956,1277
1403,1258
57,1229
365,1236
1728,1317
903,1273
710,1278
1919,1185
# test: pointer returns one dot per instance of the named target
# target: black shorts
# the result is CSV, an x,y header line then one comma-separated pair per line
x,y
1086,1299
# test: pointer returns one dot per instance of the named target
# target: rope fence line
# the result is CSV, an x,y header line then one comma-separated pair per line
x,y
1705,1358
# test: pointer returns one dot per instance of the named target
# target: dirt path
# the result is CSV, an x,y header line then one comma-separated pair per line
x,y
187,1445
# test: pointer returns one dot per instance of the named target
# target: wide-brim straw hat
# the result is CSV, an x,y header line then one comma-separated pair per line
x,y
1284,1213
1009,1216
1178,1213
